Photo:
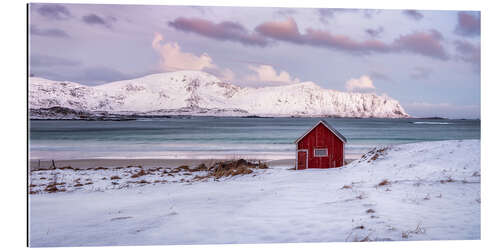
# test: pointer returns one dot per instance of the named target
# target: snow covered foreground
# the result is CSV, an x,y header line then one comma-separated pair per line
x,y
431,192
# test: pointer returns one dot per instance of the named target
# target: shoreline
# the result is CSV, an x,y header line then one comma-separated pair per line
x,y
36,164
145,163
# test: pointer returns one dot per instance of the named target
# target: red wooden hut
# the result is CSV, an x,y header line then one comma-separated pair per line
x,y
320,147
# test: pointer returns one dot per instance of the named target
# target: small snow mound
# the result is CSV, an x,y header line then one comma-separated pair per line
x,y
442,161
374,154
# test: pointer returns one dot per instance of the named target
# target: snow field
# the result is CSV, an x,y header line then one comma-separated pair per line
x,y
431,192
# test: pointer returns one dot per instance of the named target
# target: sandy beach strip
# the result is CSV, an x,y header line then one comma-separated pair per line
x,y
145,163
36,164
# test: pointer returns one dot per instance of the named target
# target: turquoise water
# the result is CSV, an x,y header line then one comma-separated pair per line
x,y
219,137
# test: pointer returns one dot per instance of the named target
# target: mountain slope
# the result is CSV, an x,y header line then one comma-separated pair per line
x,y
199,93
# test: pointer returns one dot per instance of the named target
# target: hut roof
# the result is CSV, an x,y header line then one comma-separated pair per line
x,y
327,125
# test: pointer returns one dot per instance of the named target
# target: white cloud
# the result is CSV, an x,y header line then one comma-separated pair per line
x,y
227,75
267,74
360,84
172,58
224,74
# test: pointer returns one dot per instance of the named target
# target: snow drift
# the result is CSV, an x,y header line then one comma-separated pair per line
x,y
199,93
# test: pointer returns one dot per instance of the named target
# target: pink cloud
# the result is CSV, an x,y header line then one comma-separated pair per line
x,y
468,51
173,58
342,42
364,83
267,74
424,43
223,31
281,30
288,31
468,24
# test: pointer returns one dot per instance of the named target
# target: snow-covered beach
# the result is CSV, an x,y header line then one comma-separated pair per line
x,y
420,191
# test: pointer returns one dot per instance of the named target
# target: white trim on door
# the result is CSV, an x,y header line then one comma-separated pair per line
x,y
343,154
297,158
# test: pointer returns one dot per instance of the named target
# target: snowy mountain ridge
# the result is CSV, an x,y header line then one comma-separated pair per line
x,y
199,93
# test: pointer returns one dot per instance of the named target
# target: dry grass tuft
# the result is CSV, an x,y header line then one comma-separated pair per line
x,y
201,167
221,169
67,167
417,230
52,188
360,197
373,154
447,180
139,174
231,168
384,183
134,166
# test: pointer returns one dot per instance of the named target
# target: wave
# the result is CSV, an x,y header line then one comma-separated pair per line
x,y
433,123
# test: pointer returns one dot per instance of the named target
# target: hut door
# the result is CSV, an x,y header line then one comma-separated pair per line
x,y
301,159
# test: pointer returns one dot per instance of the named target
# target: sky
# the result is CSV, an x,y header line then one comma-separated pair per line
x,y
427,60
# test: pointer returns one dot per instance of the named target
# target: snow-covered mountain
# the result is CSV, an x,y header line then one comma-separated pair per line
x,y
199,93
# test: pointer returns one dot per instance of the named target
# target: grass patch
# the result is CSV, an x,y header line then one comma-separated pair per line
x,y
384,182
417,230
447,180
139,174
360,197
52,188
67,167
220,169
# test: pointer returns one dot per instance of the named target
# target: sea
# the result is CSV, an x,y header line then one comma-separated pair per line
x,y
226,137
